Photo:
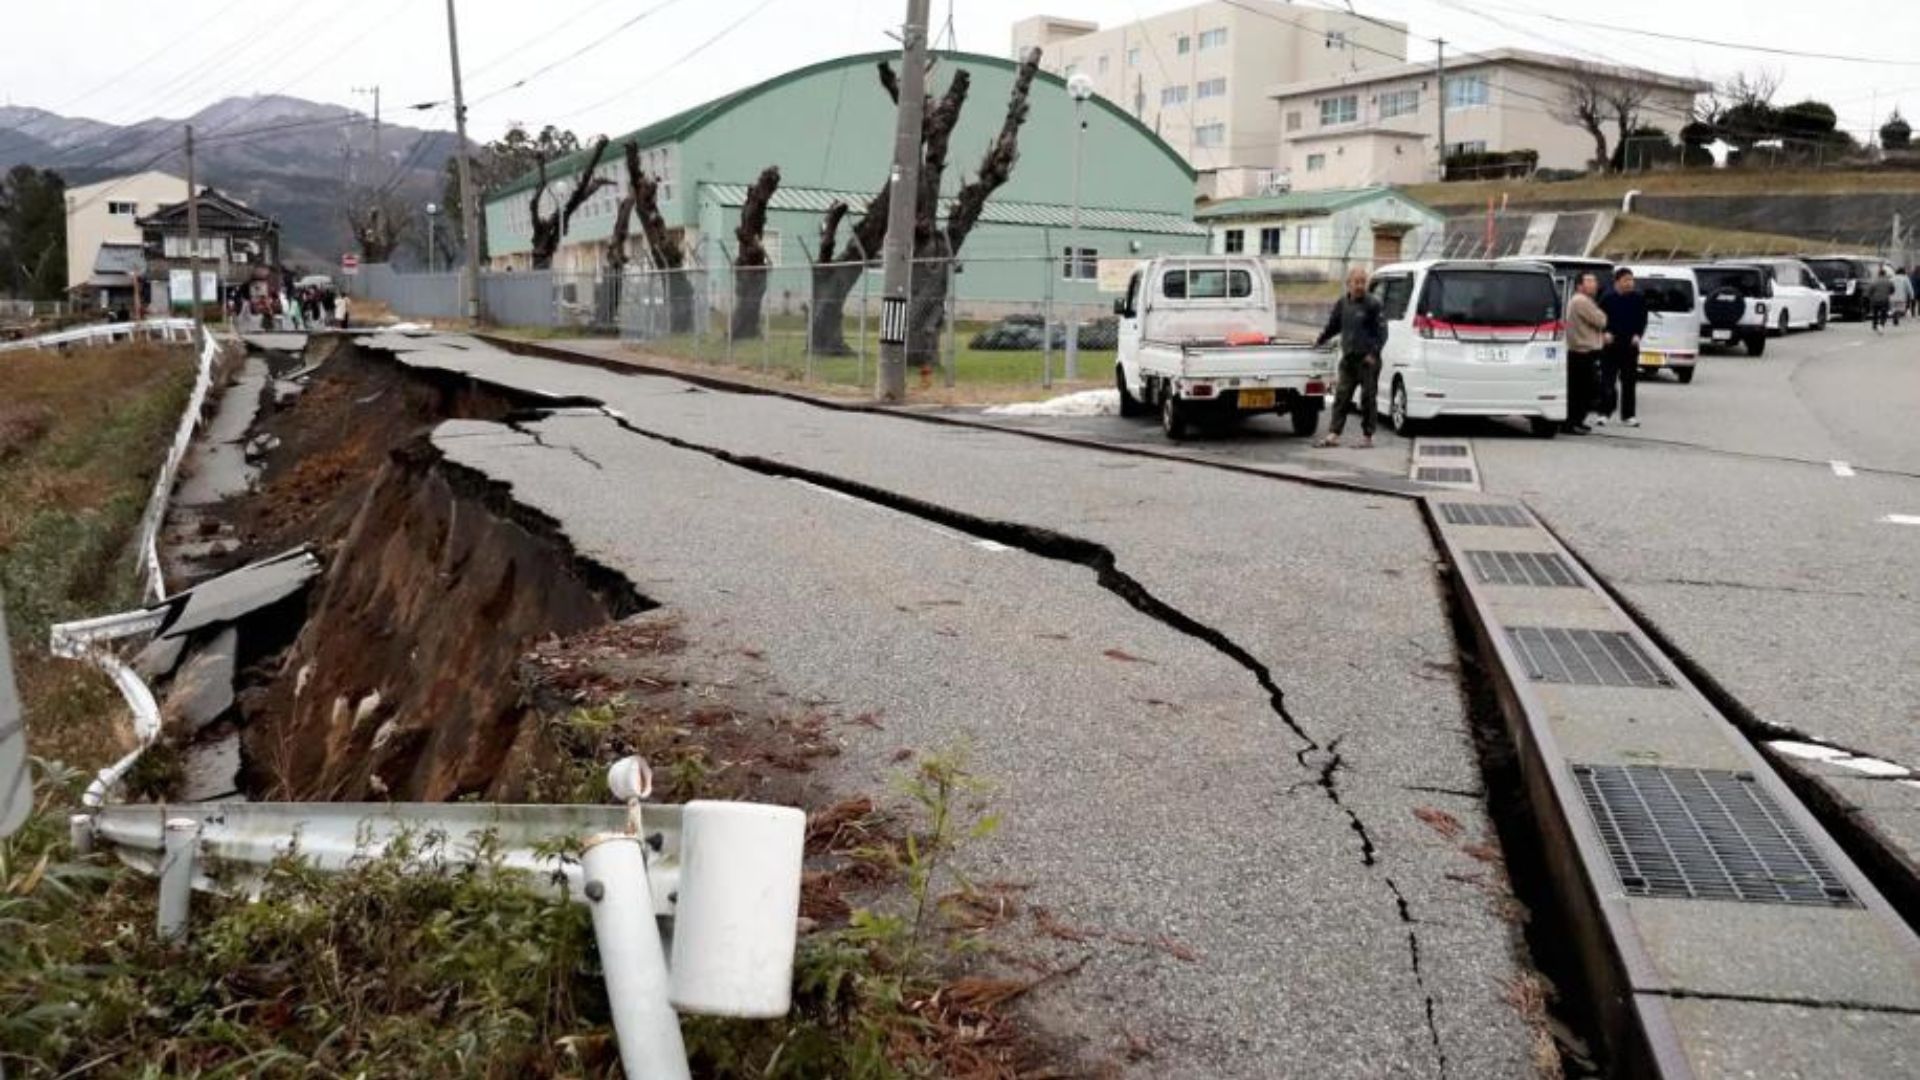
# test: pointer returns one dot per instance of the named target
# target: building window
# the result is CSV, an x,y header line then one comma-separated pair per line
x,y
1173,95
1399,103
1293,119
1270,241
1339,110
1466,92
1101,64
1086,268
1213,39
1306,240
1316,162
1235,241
1210,88
1337,39
1184,45
1210,135
1471,146
122,209
1133,56
175,247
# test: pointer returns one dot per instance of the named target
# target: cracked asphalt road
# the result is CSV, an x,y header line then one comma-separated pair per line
x,y
1210,704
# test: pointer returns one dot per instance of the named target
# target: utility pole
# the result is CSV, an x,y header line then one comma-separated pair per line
x,y
193,230
469,213
375,91
897,255
1440,99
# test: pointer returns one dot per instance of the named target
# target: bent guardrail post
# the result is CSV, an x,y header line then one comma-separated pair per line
x,y
16,792
620,899
181,847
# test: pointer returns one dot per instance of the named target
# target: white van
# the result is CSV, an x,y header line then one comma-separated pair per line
x,y
1472,339
1800,300
1672,340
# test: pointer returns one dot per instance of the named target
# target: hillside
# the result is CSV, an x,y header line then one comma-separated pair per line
x,y
1702,182
286,156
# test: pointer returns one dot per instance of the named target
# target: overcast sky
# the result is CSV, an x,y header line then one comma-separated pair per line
x,y
124,60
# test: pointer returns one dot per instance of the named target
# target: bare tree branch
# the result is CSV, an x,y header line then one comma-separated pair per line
x,y
998,163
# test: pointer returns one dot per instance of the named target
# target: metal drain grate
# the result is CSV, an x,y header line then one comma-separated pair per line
x,y
1704,834
1435,475
1499,514
1539,568
1584,657
1443,450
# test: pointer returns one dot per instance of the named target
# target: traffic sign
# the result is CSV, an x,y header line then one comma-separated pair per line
x,y
349,264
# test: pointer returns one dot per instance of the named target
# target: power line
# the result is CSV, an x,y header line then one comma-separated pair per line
x,y
522,48
683,58
1685,39
576,54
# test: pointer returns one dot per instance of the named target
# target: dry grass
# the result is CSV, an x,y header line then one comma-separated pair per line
x,y
1700,182
1635,236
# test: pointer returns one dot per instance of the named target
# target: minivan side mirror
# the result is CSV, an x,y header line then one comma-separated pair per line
x,y
1120,308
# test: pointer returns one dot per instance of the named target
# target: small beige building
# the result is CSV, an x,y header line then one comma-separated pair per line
x,y
1381,126
108,212
1199,76
1319,235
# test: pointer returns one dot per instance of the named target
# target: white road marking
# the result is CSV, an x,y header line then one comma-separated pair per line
x,y
1841,468
1901,519
994,546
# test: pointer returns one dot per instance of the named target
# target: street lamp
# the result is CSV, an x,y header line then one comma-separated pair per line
x,y
433,211
1079,88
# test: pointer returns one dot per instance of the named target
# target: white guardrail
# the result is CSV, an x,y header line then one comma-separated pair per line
x,y
107,334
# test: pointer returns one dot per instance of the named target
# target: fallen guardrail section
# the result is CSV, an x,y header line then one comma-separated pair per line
x,y
1728,935
175,330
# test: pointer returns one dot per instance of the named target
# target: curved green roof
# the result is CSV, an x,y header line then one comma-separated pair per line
x,y
682,124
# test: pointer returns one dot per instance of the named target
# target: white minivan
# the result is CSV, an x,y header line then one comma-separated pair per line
x,y
1800,300
1472,339
1672,340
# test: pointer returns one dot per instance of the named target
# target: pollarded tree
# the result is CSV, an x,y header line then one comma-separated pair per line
x,y
665,249
549,228
750,262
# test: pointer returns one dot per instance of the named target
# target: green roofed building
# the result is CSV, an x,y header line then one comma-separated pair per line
x,y
1314,235
829,127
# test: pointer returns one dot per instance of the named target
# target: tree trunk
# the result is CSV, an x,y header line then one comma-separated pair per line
x,y
549,228
617,258
663,246
834,279
750,265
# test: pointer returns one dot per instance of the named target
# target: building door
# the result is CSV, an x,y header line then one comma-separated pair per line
x,y
1386,247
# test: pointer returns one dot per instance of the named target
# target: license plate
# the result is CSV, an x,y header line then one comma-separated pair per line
x,y
1491,354
1653,359
1723,335
1257,399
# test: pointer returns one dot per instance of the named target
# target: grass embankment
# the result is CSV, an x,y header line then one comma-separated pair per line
x,y
1693,182
1638,237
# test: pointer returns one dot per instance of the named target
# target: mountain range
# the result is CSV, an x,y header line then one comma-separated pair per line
x,y
287,157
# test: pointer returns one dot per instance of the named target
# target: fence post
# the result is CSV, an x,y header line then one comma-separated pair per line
x,y
953,323
811,307
866,296
1046,310
182,839
614,867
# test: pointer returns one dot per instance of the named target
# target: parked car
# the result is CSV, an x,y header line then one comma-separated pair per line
x,y
1734,301
1472,339
1800,301
1567,270
1846,278
1672,340
1196,343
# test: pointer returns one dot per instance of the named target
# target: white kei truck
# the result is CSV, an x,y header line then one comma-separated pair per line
x,y
1197,344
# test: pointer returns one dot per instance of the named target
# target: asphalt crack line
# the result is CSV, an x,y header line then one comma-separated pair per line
x,y
1676,994
1060,547
523,428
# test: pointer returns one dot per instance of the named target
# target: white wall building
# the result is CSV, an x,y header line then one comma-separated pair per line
x,y
1381,126
107,212
1199,76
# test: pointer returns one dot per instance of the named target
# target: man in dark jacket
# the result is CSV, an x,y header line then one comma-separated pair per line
x,y
1620,362
1361,325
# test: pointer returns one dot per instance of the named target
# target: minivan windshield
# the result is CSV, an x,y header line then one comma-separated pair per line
x,y
1748,283
1666,294
1491,297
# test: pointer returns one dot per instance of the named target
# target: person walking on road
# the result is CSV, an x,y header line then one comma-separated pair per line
x,y
1586,337
1626,312
1902,295
1913,279
1360,323
1880,298
342,311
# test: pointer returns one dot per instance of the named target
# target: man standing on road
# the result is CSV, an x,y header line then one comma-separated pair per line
x,y
1360,323
1626,312
1914,280
1880,298
1586,336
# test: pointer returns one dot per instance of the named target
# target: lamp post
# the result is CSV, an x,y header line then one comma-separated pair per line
x,y
1079,88
433,211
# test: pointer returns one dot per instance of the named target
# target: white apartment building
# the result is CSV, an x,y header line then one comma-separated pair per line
x,y
1381,126
1199,76
107,212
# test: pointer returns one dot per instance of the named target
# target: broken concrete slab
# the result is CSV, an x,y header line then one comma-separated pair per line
x,y
212,770
203,690
159,658
275,342
231,596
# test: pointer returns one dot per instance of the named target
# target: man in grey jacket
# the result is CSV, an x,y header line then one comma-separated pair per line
x,y
1880,298
1360,323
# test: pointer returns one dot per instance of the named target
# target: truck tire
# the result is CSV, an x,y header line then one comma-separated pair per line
x,y
1173,415
1403,424
1756,343
1305,414
1130,406
1684,374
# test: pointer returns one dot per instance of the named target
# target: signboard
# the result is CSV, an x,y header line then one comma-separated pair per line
x,y
180,288
350,264
893,320
1115,272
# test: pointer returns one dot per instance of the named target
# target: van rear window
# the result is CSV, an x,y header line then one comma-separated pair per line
x,y
1666,294
1748,283
1198,283
1491,297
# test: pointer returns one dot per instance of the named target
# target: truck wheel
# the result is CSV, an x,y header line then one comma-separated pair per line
x,y
1305,414
1173,415
1403,424
1130,406
1756,344
1684,374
